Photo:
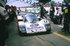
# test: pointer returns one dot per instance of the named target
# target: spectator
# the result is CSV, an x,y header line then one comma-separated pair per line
x,y
3,34
18,11
12,13
14,9
7,7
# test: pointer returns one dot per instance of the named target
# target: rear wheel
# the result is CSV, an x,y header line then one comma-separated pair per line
x,y
20,33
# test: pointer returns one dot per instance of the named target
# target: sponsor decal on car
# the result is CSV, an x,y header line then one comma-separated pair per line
x,y
34,25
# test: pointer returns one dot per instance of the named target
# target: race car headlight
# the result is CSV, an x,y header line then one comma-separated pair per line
x,y
22,28
47,25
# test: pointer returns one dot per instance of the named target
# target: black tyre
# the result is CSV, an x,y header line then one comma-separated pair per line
x,y
19,32
48,31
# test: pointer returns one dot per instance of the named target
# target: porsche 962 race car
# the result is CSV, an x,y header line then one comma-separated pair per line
x,y
30,23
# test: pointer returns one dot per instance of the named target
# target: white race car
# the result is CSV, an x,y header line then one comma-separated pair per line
x,y
30,23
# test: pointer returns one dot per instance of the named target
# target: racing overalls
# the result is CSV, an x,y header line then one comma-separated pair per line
x,y
52,12
66,20
42,12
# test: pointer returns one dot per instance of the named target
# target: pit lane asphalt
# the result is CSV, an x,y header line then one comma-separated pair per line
x,y
51,39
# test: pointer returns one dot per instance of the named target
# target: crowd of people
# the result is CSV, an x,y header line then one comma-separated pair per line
x,y
62,14
66,10
7,15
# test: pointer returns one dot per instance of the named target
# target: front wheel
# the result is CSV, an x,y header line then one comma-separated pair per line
x,y
20,33
48,31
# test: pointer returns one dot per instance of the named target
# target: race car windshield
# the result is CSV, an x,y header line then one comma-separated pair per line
x,y
31,18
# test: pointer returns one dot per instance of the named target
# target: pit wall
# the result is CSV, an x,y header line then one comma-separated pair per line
x,y
37,9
